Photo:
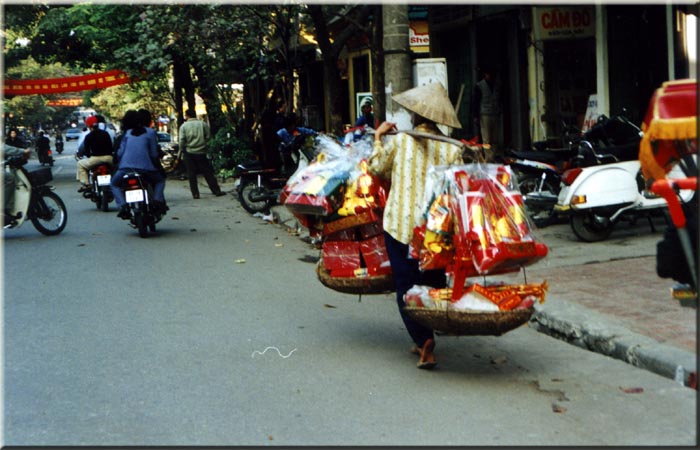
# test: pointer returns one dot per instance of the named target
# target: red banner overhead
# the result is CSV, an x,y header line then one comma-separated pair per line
x,y
68,84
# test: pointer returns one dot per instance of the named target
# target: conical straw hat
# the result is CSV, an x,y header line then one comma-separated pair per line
x,y
430,101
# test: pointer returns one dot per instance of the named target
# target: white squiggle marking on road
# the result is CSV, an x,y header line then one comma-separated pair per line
x,y
278,352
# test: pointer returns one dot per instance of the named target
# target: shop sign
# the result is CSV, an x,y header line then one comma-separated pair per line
x,y
564,22
418,36
591,113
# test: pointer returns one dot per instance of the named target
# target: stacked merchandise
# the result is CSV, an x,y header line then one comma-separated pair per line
x,y
338,200
475,225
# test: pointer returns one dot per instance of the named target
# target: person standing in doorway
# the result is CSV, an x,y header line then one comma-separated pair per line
x,y
367,116
486,111
194,135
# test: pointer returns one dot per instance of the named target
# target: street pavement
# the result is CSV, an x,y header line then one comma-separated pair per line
x,y
607,298
215,331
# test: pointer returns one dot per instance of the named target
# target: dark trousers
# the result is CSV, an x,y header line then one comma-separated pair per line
x,y
200,164
406,273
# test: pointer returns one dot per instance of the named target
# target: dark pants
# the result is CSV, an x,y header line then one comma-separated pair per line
x,y
406,274
200,164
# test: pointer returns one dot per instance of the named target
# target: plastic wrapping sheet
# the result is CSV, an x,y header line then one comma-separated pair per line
x,y
477,297
474,224
336,182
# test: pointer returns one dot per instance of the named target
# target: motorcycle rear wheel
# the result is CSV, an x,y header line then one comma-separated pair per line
x,y
591,227
249,187
141,225
50,215
104,202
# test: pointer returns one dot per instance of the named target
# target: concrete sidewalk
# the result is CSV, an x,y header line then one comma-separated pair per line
x,y
619,308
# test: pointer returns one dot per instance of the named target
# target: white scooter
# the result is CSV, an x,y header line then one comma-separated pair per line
x,y
34,198
596,198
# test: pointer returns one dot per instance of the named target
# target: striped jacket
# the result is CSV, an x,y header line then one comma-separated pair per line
x,y
405,160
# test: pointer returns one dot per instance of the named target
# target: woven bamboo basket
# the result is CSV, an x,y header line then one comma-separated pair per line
x,y
466,323
378,284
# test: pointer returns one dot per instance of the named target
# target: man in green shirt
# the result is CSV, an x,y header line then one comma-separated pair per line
x,y
194,135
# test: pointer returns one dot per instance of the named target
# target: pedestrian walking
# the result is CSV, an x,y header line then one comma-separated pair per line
x,y
405,160
194,135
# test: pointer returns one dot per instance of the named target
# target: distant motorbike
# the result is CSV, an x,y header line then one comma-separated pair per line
x,y
59,145
99,178
259,187
139,199
34,198
45,156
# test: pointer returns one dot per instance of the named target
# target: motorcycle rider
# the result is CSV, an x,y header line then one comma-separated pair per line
x,y
15,140
96,150
9,181
42,147
59,141
138,150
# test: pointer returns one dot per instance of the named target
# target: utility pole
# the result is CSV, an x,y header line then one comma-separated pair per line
x,y
397,59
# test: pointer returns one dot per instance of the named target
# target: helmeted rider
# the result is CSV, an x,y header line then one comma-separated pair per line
x,y
96,149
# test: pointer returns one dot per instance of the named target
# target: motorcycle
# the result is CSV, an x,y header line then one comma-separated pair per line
x,y
539,173
138,192
259,187
34,198
596,198
99,178
172,161
45,156
59,145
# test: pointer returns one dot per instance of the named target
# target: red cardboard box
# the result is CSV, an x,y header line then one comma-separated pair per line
x,y
374,252
341,255
343,235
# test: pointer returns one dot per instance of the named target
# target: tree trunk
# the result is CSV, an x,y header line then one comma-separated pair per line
x,y
377,54
177,91
396,48
211,101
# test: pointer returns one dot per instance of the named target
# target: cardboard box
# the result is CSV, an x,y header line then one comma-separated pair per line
x,y
341,255
374,252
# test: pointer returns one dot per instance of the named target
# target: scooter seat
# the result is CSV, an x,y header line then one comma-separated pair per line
x,y
550,156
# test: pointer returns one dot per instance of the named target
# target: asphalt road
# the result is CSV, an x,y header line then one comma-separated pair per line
x,y
216,331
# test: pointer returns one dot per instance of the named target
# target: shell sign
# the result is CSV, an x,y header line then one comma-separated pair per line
x,y
68,84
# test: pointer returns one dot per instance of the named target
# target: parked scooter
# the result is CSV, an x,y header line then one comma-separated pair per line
x,y
34,198
99,178
139,199
260,187
172,161
540,173
596,198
